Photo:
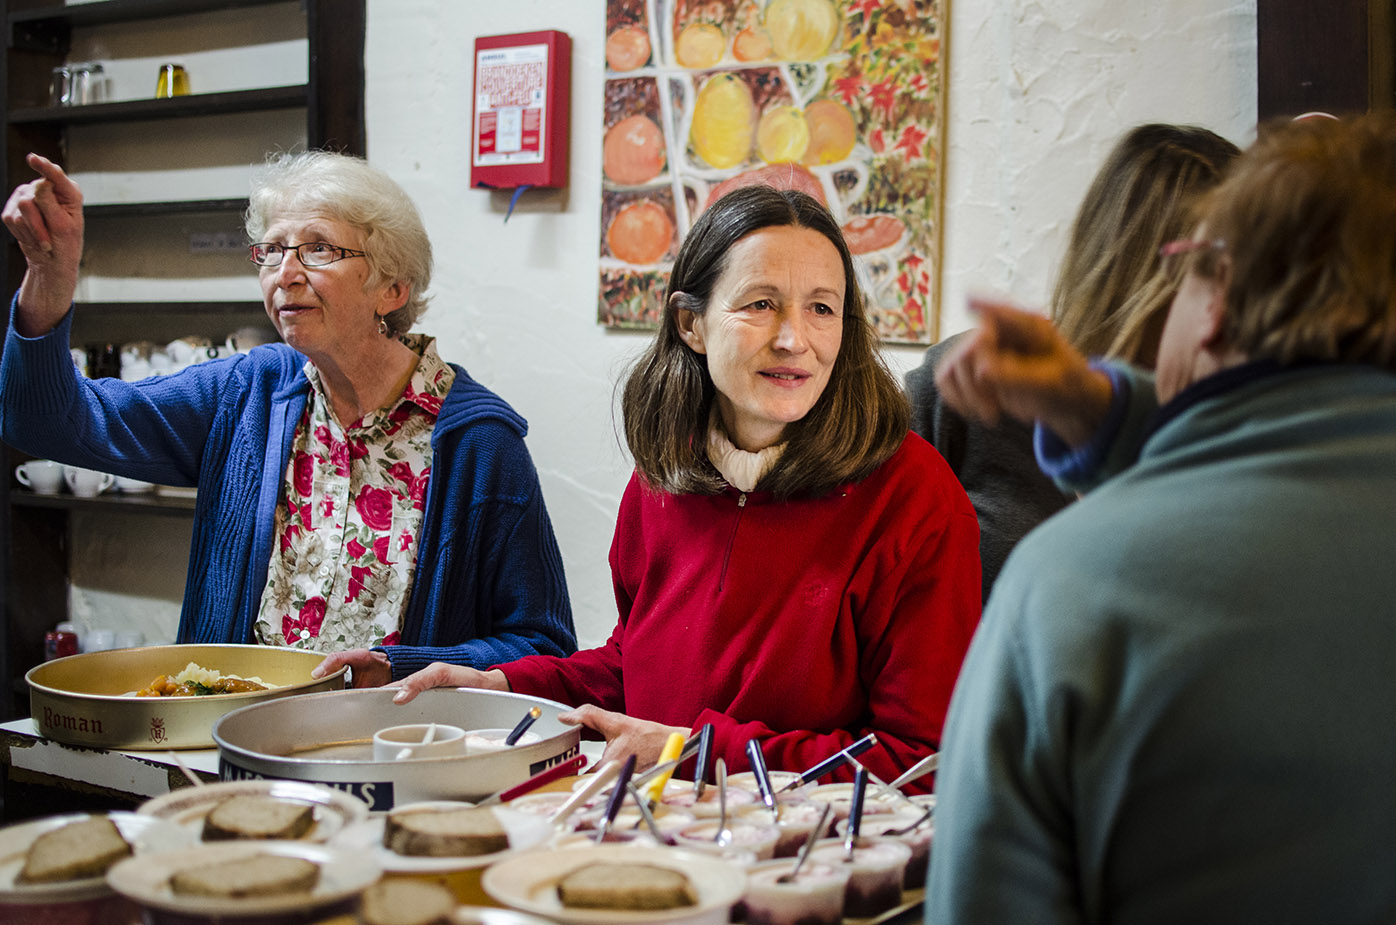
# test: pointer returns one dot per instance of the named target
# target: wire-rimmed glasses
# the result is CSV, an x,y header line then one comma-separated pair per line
x,y
309,253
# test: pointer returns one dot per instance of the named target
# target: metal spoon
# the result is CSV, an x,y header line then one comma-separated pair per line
x,y
820,828
724,834
908,828
648,816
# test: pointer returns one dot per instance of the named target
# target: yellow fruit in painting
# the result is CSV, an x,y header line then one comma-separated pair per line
x,y
751,44
831,132
782,136
724,121
700,45
802,30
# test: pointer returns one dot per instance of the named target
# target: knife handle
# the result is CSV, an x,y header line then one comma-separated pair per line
x,y
758,770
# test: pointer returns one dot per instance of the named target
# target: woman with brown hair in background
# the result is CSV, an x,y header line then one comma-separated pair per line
x,y
1110,298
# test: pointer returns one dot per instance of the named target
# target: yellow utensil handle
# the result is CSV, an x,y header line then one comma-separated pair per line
x,y
672,748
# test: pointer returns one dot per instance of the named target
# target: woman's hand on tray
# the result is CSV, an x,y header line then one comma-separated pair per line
x,y
440,674
369,668
625,735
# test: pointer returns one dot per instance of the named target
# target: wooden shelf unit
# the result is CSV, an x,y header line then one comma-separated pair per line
x,y
34,535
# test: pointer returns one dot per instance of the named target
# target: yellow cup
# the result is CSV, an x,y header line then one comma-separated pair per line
x,y
174,81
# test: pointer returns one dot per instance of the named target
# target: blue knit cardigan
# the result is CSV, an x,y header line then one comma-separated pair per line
x,y
489,586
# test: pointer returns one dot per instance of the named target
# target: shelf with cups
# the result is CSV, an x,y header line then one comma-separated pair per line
x,y
261,99
101,126
151,502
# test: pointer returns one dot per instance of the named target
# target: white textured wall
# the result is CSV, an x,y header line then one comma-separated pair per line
x,y
1038,92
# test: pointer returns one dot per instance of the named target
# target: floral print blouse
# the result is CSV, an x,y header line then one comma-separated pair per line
x,y
345,548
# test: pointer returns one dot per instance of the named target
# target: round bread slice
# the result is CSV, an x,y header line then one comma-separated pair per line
x,y
637,887
257,875
85,848
251,816
444,833
398,901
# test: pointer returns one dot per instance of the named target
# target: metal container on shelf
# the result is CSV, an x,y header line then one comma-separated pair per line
x,y
88,699
327,739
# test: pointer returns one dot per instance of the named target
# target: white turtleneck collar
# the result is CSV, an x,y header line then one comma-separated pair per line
x,y
741,469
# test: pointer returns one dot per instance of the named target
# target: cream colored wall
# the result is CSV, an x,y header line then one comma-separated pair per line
x,y
1038,92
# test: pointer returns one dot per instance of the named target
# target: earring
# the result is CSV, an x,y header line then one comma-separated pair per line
x,y
382,326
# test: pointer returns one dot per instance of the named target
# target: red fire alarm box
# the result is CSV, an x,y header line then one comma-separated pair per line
x,y
522,89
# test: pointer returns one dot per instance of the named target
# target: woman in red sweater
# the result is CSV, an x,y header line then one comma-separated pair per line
x,y
790,564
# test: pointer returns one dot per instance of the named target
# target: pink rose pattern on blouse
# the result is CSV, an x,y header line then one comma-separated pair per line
x,y
347,522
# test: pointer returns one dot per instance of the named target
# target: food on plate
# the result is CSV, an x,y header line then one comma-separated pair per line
x,y
437,833
256,875
626,886
252,816
400,901
198,681
81,849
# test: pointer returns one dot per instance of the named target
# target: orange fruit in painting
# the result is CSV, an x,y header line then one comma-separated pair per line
x,y
802,30
700,45
751,44
831,132
782,136
724,121
627,48
633,151
640,233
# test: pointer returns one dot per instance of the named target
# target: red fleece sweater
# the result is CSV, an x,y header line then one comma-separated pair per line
x,y
806,624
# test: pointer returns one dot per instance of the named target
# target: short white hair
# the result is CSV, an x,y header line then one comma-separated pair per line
x,y
347,189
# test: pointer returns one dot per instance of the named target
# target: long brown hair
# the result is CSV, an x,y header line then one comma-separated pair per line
x,y
856,425
1111,293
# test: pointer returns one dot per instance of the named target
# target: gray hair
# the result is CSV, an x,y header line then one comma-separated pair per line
x,y
346,189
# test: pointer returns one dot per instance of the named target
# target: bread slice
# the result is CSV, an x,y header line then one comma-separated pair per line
x,y
81,849
444,833
626,887
256,875
400,901
257,817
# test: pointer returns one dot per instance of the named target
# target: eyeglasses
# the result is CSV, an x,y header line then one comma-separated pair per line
x,y
310,254
1171,254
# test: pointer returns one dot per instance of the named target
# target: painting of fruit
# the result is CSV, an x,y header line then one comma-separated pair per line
x,y
841,99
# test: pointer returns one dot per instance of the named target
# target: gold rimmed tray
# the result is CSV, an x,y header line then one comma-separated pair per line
x,y
87,699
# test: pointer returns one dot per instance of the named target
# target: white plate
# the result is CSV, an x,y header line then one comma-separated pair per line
x,y
528,882
333,809
484,915
145,834
146,879
525,831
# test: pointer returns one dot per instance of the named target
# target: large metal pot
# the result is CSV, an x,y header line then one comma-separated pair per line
x,y
327,739
85,699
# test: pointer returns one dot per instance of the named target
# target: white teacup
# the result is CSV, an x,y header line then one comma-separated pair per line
x,y
418,740
42,476
87,483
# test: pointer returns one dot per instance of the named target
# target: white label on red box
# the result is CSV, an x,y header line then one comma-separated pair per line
x,y
511,93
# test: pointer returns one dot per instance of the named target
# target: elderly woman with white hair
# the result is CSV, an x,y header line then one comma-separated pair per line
x,y
357,495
